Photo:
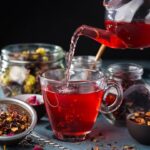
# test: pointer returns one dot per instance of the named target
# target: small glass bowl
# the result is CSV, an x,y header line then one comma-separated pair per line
x,y
20,107
40,108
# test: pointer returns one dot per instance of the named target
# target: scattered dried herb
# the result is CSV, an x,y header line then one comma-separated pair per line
x,y
128,147
95,148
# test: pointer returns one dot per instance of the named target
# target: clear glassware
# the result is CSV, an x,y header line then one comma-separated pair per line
x,y
136,92
73,107
127,25
21,65
87,62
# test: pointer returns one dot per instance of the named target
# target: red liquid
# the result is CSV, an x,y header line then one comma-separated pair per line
x,y
110,99
135,34
75,114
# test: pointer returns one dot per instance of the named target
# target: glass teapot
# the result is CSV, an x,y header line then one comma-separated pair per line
x,y
127,25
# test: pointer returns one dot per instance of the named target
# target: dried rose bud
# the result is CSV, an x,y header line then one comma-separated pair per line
x,y
10,134
33,100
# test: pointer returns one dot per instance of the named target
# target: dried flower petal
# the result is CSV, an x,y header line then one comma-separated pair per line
x,y
37,147
33,100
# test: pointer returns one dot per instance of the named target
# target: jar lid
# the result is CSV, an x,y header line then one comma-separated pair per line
x,y
32,52
125,68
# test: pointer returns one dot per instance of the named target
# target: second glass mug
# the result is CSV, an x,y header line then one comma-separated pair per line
x,y
127,25
73,108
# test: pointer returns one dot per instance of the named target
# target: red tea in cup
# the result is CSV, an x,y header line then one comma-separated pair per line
x,y
75,113
73,108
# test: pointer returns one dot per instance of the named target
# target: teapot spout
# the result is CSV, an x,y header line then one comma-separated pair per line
x,y
105,37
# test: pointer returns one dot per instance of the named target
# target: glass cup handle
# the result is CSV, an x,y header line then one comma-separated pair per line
x,y
49,103
118,101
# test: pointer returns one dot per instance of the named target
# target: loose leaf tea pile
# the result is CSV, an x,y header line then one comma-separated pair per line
x,y
12,123
141,118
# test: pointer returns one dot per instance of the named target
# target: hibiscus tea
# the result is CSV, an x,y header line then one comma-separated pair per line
x,y
72,114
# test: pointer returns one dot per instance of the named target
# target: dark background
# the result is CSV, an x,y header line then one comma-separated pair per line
x,y
54,21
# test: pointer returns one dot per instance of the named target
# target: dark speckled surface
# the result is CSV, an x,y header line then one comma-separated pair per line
x,y
104,135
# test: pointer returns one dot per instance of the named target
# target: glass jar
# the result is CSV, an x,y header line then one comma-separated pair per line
x,y
136,92
21,65
86,62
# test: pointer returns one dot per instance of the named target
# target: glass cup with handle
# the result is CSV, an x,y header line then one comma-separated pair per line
x,y
73,107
